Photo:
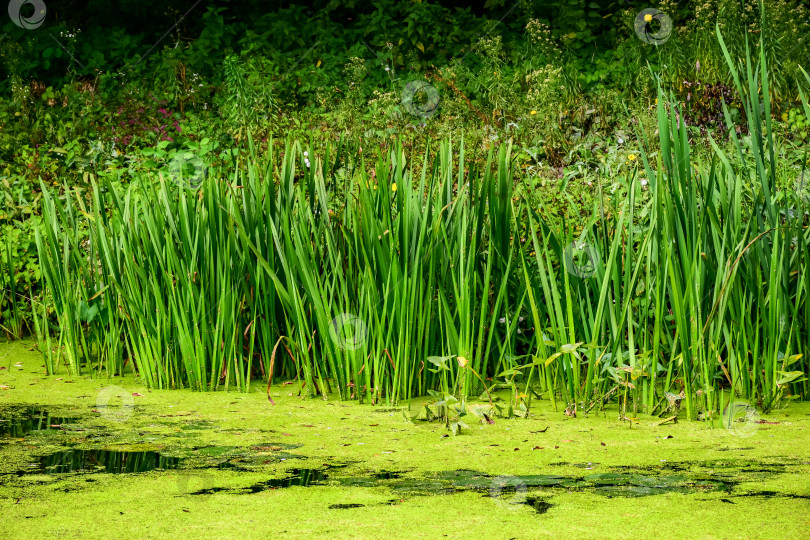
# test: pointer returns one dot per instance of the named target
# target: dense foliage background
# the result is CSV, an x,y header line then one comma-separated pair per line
x,y
109,93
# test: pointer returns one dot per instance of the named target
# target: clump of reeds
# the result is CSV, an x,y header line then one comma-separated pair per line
x,y
381,281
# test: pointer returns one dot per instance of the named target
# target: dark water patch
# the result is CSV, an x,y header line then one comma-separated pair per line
x,y
19,421
212,451
588,465
371,479
198,425
518,490
459,473
613,484
243,431
252,463
295,477
275,446
728,469
357,481
464,479
642,484
420,486
387,475
540,506
630,491
109,461
744,466
540,480
635,485
320,476
607,478
240,458
773,494
305,477
610,484
343,506
478,481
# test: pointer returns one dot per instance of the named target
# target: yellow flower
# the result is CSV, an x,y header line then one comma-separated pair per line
x,y
648,17
631,157
393,187
533,112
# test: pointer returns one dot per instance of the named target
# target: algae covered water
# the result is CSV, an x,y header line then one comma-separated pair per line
x,y
77,454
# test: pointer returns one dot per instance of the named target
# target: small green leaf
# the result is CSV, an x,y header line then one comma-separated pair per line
x,y
570,348
788,377
440,361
